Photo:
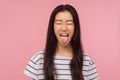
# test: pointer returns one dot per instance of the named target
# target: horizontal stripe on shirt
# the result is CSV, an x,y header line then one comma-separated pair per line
x,y
62,64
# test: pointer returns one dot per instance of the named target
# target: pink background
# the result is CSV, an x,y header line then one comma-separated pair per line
x,y
23,28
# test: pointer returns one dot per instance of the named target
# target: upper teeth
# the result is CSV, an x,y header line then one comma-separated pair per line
x,y
64,35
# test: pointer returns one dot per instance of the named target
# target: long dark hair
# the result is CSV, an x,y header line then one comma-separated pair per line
x,y
51,44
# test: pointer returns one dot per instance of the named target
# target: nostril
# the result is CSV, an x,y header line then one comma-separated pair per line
x,y
64,28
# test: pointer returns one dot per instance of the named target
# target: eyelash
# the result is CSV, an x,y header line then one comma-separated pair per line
x,y
66,23
69,23
59,23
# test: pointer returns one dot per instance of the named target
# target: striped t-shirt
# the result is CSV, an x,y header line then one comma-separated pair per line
x,y
34,68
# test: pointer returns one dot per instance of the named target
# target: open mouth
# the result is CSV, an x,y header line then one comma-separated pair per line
x,y
64,38
64,35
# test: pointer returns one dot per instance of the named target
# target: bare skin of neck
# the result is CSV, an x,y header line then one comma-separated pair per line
x,y
65,51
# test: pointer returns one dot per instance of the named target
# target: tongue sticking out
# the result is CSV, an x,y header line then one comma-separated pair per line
x,y
64,39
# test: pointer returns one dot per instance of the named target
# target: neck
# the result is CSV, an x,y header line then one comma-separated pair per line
x,y
64,50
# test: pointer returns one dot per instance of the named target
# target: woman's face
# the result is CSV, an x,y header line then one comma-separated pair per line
x,y
64,27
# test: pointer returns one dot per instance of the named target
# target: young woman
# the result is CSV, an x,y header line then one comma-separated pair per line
x,y
63,57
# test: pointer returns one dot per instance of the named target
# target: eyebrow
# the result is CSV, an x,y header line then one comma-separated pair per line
x,y
59,20
69,20
65,21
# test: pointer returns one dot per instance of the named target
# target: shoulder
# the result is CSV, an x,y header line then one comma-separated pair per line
x,y
37,56
87,57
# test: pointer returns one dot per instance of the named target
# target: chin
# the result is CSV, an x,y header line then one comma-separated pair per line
x,y
64,44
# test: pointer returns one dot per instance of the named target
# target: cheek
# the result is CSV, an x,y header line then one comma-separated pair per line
x,y
71,29
56,30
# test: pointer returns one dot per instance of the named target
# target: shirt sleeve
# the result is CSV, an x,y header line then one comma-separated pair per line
x,y
32,68
92,71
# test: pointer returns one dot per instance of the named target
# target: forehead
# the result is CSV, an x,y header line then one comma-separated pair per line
x,y
63,15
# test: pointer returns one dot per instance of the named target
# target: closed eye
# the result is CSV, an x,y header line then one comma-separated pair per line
x,y
58,23
69,23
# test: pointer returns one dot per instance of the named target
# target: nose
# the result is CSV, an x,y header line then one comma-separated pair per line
x,y
64,27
